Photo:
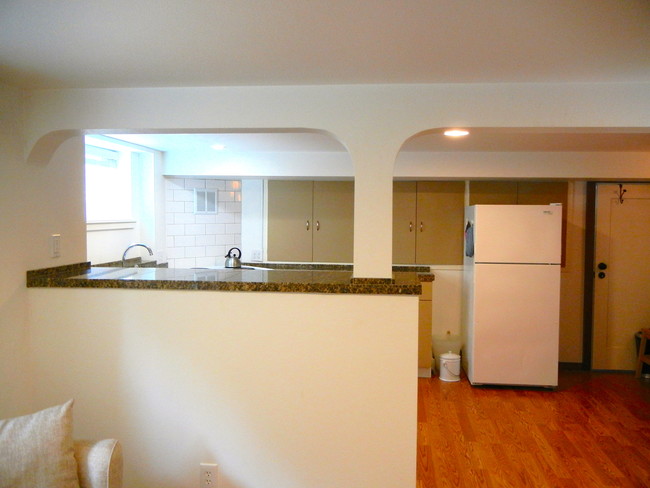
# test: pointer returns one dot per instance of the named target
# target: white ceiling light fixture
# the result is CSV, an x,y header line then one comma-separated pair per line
x,y
456,132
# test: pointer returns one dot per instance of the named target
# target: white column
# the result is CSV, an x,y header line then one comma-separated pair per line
x,y
373,209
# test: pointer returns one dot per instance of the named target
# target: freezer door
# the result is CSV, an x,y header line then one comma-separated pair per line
x,y
516,324
518,233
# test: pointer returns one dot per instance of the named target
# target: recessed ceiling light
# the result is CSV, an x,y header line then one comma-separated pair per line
x,y
456,132
218,147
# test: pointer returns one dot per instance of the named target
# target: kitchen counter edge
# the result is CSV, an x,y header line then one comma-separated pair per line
x,y
308,281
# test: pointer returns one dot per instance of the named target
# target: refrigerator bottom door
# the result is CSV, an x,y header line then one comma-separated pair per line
x,y
516,324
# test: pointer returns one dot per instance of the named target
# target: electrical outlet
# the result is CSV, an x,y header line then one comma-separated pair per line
x,y
208,475
256,255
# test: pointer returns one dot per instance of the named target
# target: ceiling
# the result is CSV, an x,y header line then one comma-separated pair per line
x,y
148,43
278,141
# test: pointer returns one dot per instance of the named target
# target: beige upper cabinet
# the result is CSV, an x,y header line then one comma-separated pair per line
x,y
404,221
290,217
493,193
523,193
333,229
310,221
441,213
428,222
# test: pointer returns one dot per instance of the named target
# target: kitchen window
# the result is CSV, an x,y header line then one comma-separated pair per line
x,y
109,190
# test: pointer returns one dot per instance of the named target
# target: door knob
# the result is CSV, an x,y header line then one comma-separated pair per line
x,y
601,275
602,266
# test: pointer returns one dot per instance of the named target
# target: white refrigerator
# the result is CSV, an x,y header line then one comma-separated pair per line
x,y
511,294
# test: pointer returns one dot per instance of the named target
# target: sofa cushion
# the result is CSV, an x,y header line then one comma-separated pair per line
x,y
38,450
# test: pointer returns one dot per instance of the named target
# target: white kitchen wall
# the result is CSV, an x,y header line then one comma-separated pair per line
x,y
36,201
15,378
200,240
253,219
286,390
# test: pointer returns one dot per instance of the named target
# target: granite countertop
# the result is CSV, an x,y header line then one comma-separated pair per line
x,y
283,278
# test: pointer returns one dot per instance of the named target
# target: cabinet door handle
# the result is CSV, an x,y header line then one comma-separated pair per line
x,y
307,225
421,226
410,226
318,225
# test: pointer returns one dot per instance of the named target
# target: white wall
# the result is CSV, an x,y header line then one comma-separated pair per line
x,y
253,219
279,389
572,276
263,164
516,165
372,122
36,200
15,380
106,242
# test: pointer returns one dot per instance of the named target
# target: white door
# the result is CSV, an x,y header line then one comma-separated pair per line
x,y
622,273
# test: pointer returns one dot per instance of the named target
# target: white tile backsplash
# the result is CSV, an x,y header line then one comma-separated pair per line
x,y
206,219
190,184
184,241
175,230
174,183
184,218
218,184
201,240
171,207
195,229
183,196
206,240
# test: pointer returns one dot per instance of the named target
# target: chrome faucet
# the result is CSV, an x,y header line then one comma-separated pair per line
x,y
135,245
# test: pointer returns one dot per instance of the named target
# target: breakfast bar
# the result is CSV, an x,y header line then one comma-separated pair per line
x,y
259,355
288,278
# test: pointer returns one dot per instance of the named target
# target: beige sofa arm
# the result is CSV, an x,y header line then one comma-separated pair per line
x,y
99,463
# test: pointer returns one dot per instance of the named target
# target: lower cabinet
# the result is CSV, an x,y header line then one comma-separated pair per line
x,y
310,221
425,354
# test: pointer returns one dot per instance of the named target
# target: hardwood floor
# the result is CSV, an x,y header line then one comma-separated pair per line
x,y
593,431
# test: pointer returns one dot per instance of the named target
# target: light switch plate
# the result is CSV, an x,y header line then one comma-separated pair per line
x,y
55,245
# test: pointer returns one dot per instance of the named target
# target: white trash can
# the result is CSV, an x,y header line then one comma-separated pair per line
x,y
450,367
445,343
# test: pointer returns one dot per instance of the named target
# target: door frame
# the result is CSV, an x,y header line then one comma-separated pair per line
x,y
588,299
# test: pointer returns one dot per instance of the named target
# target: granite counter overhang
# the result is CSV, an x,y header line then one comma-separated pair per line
x,y
405,281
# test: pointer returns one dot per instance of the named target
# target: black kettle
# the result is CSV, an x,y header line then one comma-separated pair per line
x,y
233,261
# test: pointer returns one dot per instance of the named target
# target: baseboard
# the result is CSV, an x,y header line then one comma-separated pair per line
x,y
571,366
424,372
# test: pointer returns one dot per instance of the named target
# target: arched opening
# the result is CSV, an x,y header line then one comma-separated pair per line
x,y
509,165
197,194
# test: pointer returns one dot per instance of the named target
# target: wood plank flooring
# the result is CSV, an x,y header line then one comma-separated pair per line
x,y
593,431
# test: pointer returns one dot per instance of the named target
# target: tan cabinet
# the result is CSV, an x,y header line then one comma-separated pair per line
x,y
493,193
522,193
428,222
310,221
404,221
425,355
